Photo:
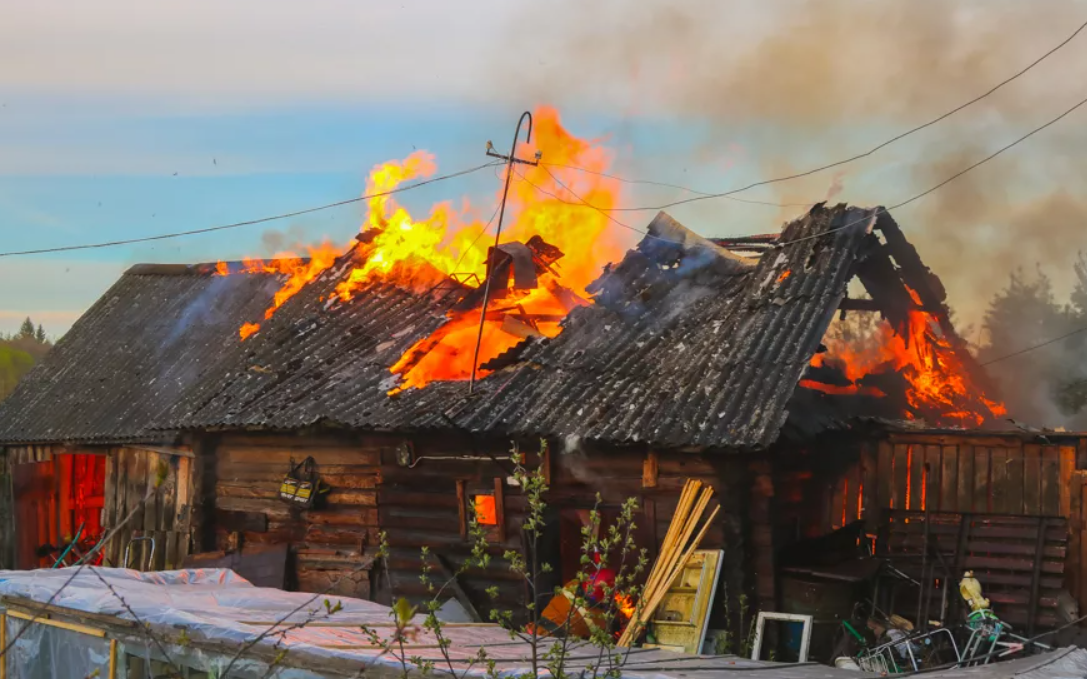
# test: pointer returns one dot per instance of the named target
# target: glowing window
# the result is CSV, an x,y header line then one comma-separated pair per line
x,y
485,510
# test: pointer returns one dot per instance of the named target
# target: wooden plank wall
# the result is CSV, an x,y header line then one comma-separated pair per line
x,y
242,479
7,514
129,472
999,475
999,548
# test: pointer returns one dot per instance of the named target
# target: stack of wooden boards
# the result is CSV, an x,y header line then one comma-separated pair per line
x,y
675,552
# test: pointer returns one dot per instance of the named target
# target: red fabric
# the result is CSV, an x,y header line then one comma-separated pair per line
x,y
604,577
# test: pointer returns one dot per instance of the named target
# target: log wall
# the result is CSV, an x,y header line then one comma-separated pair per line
x,y
427,506
742,528
240,479
421,506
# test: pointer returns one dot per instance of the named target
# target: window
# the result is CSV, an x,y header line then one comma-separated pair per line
x,y
486,513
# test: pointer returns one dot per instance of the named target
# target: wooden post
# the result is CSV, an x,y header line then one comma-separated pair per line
x,y
1068,465
500,507
650,470
462,507
1036,576
3,645
545,463
112,659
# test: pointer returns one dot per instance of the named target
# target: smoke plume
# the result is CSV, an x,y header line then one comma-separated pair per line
x,y
803,83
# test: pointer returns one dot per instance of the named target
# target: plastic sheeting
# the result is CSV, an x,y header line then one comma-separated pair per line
x,y
218,604
43,652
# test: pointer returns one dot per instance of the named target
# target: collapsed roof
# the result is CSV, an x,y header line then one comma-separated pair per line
x,y
687,344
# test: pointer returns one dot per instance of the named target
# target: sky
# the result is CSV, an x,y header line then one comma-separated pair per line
x,y
121,120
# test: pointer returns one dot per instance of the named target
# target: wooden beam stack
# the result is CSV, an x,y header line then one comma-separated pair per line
x,y
674,554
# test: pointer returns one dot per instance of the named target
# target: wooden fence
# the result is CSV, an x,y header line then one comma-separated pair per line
x,y
974,475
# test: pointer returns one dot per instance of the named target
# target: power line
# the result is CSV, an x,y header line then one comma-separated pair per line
x,y
585,203
250,222
903,135
1036,346
943,183
582,200
671,186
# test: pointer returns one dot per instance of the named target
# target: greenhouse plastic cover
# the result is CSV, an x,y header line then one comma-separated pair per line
x,y
218,604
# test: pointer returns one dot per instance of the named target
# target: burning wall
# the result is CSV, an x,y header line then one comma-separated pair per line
x,y
907,356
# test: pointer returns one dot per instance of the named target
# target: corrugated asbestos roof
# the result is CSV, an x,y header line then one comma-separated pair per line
x,y
311,363
686,345
676,353
154,333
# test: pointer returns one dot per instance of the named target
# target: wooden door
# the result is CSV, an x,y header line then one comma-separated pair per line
x,y
35,514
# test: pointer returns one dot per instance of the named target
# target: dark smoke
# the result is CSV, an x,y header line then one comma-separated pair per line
x,y
818,81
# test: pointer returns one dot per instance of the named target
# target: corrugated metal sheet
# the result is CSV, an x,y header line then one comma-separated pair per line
x,y
157,331
685,346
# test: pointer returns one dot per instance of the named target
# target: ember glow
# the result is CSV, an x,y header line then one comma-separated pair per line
x,y
299,271
445,248
625,605
939,386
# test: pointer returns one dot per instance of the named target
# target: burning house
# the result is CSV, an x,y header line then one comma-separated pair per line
x,y
680,358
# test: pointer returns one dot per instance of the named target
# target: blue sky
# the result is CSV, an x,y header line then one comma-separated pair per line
x,y
268,107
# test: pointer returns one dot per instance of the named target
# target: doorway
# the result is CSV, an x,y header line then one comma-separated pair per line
x,y
58,503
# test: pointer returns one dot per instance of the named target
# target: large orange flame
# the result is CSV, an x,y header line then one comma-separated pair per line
x,y
940,385
408,252
445,248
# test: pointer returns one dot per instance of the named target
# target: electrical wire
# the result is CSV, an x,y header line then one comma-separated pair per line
x,y
943,183
585,203
250,222
903,135
1040,345
700,196
672,186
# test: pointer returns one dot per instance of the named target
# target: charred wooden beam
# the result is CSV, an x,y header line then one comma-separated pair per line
x,y
851,304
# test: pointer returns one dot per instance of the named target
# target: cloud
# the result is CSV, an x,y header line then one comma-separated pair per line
x,y
219,54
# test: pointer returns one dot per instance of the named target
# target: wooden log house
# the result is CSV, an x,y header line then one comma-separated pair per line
x,y
686,366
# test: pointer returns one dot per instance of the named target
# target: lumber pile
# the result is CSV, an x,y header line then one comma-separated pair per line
x,y
674,554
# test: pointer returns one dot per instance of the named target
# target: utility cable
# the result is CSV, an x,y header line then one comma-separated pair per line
x,y
585,203
250,222
1027,350
872,150
943,183
671,186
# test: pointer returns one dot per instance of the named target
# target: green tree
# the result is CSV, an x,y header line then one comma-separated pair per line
x,y
39,334
1039,379
27,329
13,365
